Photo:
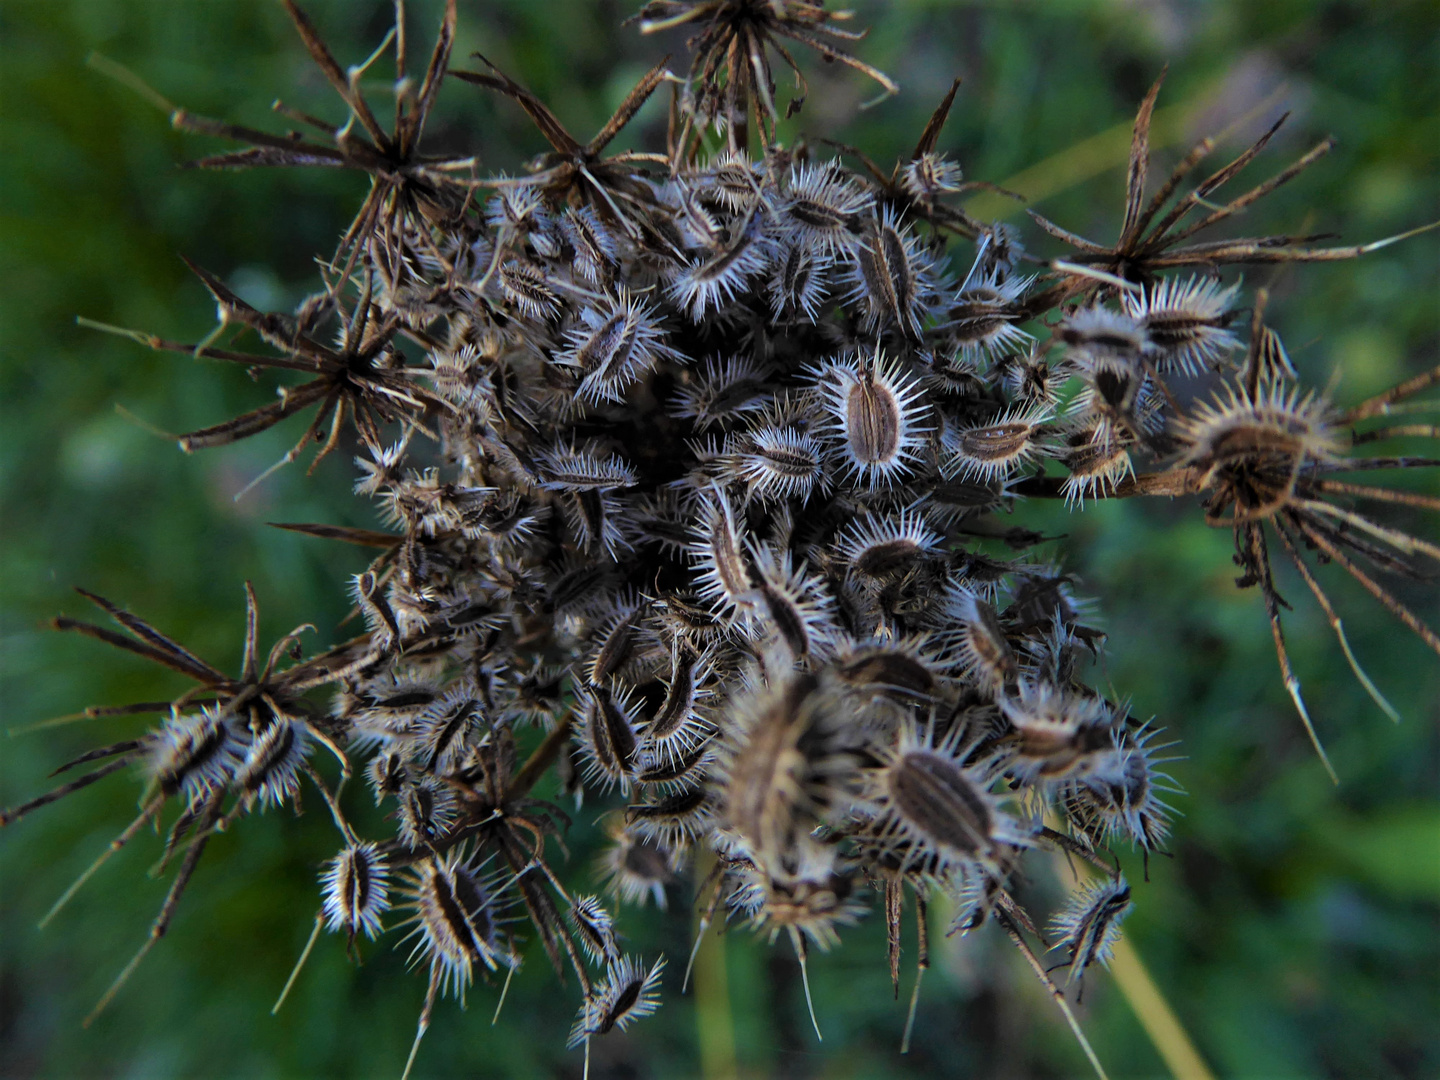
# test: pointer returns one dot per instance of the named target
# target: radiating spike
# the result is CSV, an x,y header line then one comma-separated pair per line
x,y
304,956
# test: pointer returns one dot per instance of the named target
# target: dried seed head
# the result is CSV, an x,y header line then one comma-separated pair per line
x,y
595,929
1185,322
356,890
1055,733
270,771
824,208
456,911
386,773
606,734
876,416
678,727
995,451
931,809
879,546
427,809
900,670
629,993
806,893
195,754
1089,924
445,730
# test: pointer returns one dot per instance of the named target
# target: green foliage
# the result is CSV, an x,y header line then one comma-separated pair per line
x,y
1294,932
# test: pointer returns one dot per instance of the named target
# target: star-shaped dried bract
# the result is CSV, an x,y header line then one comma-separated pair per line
x,y
579,174
245,744
1151,242
731,74
364,377
409,192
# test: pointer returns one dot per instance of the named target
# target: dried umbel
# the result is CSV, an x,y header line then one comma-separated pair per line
x,y
696,471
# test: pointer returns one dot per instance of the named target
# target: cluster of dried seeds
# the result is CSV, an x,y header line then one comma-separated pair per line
x,y
699,463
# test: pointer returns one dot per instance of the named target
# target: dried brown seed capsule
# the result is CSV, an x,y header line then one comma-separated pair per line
x,y
607,734
356,890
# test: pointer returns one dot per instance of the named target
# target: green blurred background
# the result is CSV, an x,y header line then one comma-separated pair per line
x,y
1296,931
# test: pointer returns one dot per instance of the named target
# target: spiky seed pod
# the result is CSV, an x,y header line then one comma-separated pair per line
x,y
793,604
629,993
595,929
426,810
879,546
721,276
929,176
786,762
669,771
1118,796
932,809
1055,733
1037,378
356,890
876,416
995,451
1098,461
892,278
614,344
606,734
194,754
1185,322
1089,925
974,636
677,820
527,288
457,920
1252,449
778,464
723,574
724,389
1099,333
637,870
732,182
570,468
677,728
983,319
824,208
807,893
799,284
616,641
445,729
386,773
901,670
592,242
270,771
